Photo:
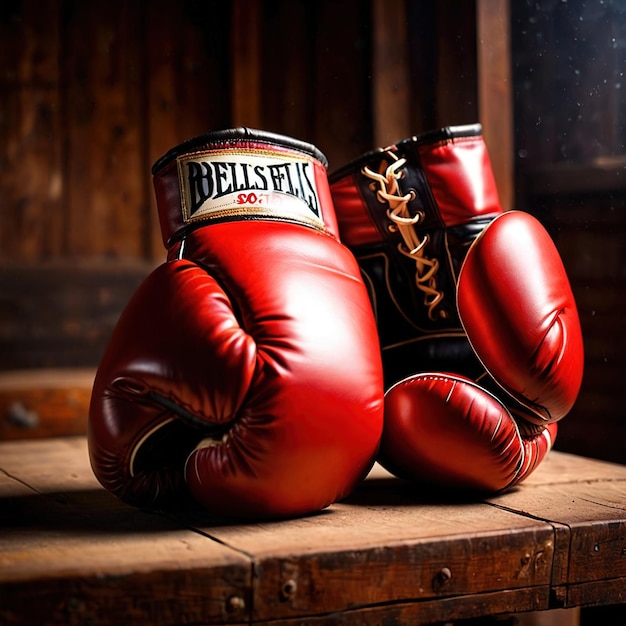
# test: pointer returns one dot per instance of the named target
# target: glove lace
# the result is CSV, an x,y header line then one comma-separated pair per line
x,y
411,246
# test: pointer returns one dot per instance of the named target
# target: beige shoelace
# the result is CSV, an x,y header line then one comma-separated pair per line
x,y
388,191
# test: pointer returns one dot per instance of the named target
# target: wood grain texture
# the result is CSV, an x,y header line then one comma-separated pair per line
x,y
31,133
390,76
388,552
495,91
439,611
72,554
104,169
585,500
388,545
246,54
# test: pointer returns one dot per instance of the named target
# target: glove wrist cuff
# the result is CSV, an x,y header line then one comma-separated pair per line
x,y
241,174
443,177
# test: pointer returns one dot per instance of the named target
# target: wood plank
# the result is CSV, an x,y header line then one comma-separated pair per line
x,y
338,105
587,498
495,91
455,60
31,177
440,610
569,469
246,63
44,402
287,97
390,76
598,593
386,545
70,553
106,200
315,75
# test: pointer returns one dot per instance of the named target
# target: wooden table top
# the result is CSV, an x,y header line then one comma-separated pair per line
x,y
70,553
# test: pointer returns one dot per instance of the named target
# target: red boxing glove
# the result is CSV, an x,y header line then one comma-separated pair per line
x,y
448,430
246,368
481,342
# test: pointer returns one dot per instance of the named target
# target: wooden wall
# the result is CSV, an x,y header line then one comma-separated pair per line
x,y
94,92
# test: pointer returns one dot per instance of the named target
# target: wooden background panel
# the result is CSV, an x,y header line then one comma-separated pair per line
x,y
93,94
385,544
245,46
456,61
98,93
391,88
101,90
496,94
315,76
72,554
31,163
103,105
341,108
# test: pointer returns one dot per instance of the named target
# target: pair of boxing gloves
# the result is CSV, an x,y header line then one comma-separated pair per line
x,y
304,327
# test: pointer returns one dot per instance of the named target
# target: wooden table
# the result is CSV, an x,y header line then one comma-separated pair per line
x,y
70,553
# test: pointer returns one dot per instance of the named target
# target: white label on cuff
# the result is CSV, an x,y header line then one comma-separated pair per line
x,y
239,183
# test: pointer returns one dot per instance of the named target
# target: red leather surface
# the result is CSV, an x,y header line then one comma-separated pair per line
x,y
356,227
268,331
519,313
461,179
445,430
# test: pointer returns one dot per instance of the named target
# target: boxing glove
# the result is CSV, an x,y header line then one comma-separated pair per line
x,y
245,370
481,342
